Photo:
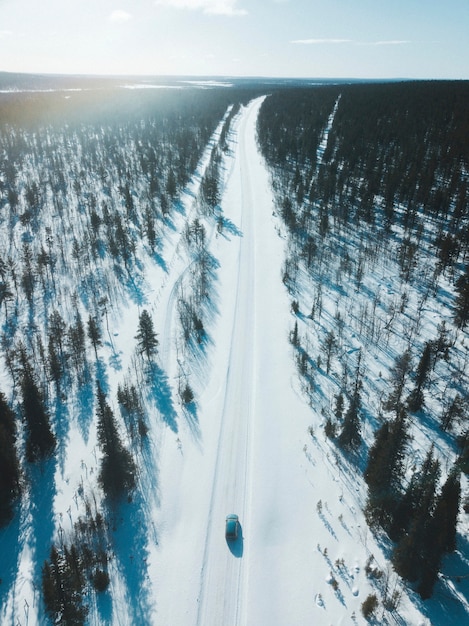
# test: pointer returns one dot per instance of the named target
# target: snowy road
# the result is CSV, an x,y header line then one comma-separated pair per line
x,y
246,456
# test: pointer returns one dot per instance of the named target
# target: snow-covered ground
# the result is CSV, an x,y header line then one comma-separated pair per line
x,y
251,446
305,544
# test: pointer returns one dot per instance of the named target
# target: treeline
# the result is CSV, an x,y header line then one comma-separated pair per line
x,y
371,182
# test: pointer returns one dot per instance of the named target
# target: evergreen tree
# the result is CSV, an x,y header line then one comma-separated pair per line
x,y
94,334
385,469
63,586
76,343
146,336
462,300
40,441
117,472
440,535
419,495
9,465
456,410
171,184
399,374
415,552
415,400
447,510
350,436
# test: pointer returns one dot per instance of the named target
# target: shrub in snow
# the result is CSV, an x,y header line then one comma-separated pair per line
x,y
369,606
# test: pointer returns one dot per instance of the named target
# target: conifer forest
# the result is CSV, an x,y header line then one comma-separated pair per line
x,y
104,192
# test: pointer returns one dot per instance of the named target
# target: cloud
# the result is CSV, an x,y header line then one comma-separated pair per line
x,y
315,42
120,16
213,7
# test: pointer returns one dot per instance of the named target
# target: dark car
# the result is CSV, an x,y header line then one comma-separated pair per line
x,y
231,527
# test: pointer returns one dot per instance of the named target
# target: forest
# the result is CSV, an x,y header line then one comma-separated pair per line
x,y
90,183
371,183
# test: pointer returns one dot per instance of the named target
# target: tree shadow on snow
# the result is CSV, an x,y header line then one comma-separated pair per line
x,y
451,592
101,376
85,406
11,542
62,428
160,392
229,228
131,551
41,510
159,260
192,419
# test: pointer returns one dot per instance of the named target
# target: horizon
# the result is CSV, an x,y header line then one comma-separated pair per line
x,y
302,39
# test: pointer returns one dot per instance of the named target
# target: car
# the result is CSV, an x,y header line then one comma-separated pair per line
x,y
231,527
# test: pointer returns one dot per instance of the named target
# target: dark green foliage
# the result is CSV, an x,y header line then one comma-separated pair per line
x,y
339,405
415,400
426,526
101,580
40,441
456,411
432,532
132,410
461,314
419,497
146,336
350,435
330,429
187,394
446,512
117,471
209,186
94,334
294,334
329,347
62,586
399,374
385,469
171,184
9,464
76,344
76,568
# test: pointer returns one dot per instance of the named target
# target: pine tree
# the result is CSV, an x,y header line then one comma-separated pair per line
x,y
416,399
419,495
40,441
146,336
399,374
63,586
350,436
385,469
94,334
117,472
415,552
462,299
447,510
9,464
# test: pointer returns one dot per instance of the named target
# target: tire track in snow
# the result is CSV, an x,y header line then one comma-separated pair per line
x,y
224,569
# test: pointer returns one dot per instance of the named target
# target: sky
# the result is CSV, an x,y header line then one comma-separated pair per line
x,y
271,38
